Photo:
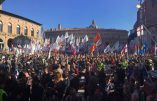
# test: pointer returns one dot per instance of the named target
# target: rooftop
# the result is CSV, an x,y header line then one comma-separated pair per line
x,y
82,29
20,17
92,26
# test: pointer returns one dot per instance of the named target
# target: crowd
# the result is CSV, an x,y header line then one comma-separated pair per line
x,y
103,77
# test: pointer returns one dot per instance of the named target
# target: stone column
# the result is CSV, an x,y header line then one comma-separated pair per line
x,y
5,44
0,46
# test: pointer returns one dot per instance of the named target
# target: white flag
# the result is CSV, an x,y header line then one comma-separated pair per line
x,y
70,38
115,46
125,49
58,40
66,35
107,49
77,42
85,39
62,38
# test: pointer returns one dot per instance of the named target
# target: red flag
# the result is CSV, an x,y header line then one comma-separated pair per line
x,y
92,49
97,38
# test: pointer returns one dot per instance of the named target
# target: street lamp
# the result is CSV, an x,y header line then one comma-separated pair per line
x,y
138,6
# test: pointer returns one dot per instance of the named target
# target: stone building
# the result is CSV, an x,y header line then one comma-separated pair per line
x,y
147,16
108,35
13,26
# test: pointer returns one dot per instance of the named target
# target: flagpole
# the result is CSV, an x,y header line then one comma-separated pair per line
x,y
155,49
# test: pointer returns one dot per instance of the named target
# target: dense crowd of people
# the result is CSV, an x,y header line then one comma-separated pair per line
x,y
104,77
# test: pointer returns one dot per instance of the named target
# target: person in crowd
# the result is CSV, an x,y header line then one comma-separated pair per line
x,y
103,77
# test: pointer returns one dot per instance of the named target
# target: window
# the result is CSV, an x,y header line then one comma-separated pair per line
x,y
9,28
26,31
37,32
18,29
32,32
1,26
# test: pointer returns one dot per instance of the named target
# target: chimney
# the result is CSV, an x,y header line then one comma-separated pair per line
x,y
59,27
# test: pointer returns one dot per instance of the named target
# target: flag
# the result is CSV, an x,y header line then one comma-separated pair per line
x,y
62,38
156,47
85,39
53,47
56,46
92,48
107,49
99,42
77,42
62,41
66,35
58,39
140,31
97,38
125,49
115,47
70,38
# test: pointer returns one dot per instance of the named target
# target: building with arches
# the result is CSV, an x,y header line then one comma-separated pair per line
x,y
12,26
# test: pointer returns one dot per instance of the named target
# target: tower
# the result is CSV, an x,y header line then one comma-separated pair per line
x,y
94,23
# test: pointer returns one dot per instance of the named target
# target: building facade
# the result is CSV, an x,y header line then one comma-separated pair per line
x,y
12,26
147,16
108,35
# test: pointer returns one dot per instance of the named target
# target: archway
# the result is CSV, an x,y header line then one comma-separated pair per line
x,y
1,44
10,42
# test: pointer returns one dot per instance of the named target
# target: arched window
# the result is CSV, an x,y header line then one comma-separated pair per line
x,y
26,31
18,29
37,32
32,32
9,28
1,26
